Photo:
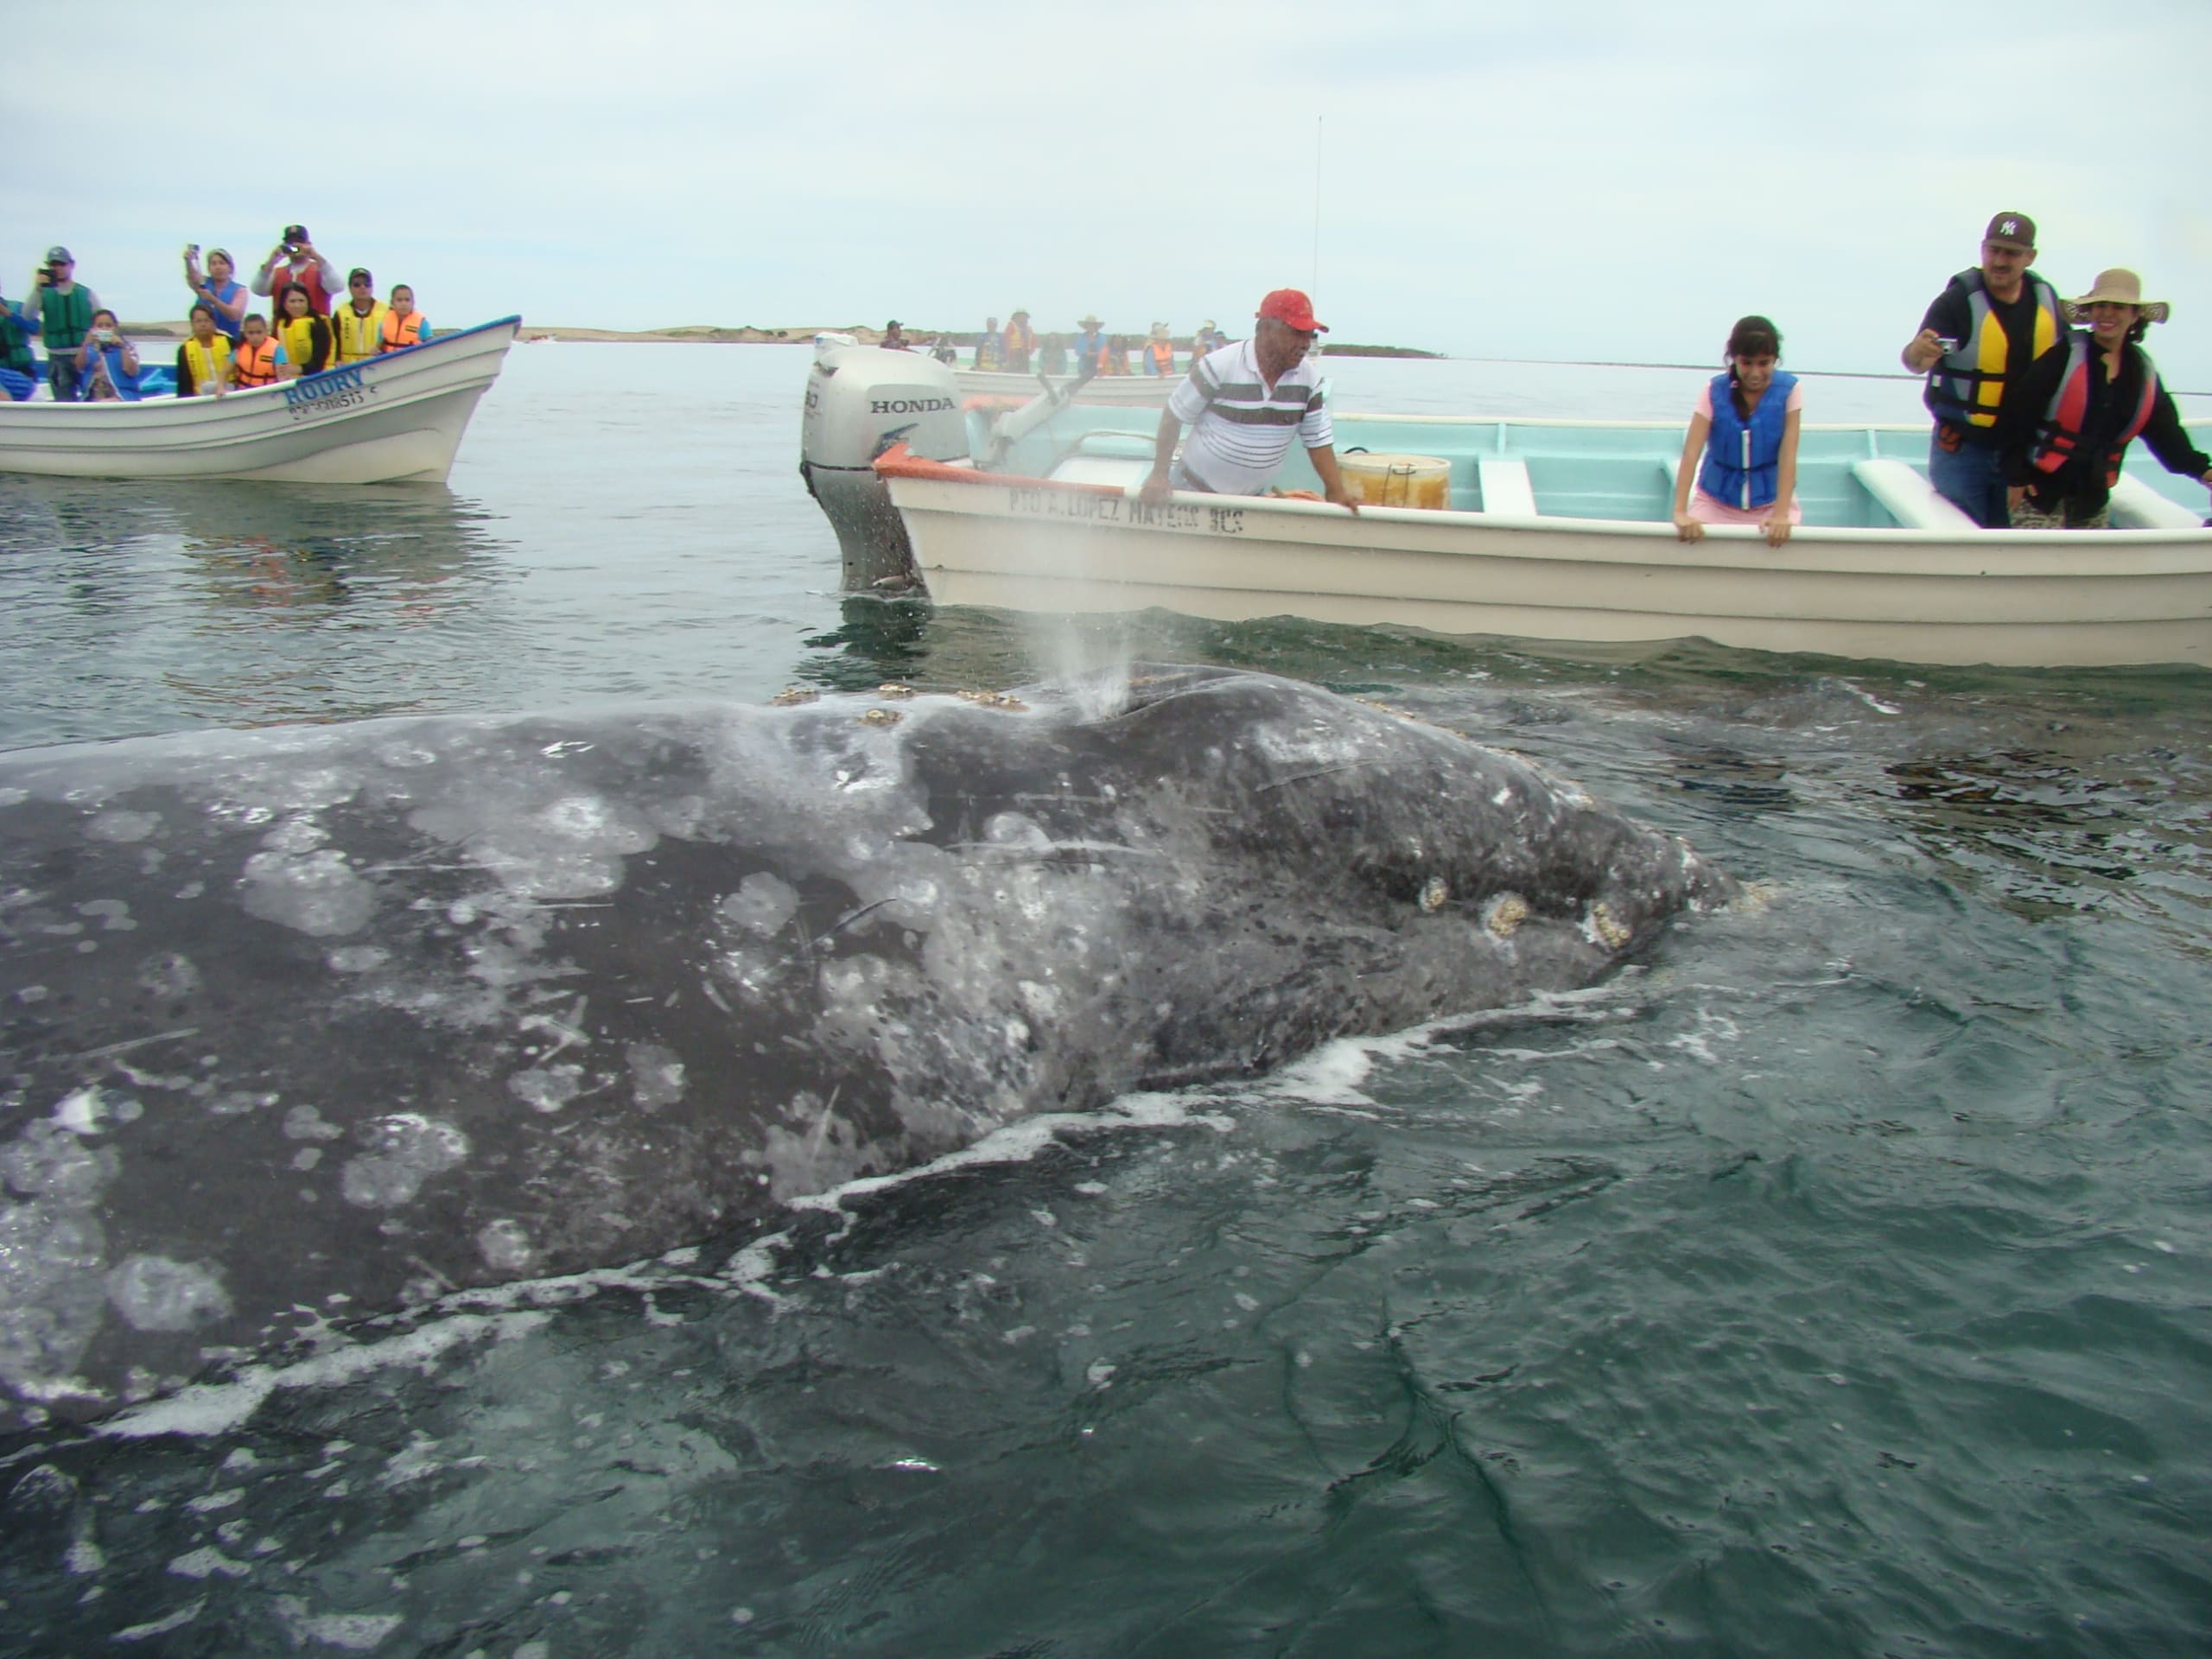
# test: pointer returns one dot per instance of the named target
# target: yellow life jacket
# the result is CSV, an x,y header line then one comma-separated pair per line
x,y
358,337
398,333
298,336
256,364
1966,385
210,364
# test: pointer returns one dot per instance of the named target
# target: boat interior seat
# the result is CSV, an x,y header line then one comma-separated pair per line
x,y
1123,471
2136,505
1505,487
1907,496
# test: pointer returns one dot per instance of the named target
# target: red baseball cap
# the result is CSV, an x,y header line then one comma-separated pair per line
x,y
1289,306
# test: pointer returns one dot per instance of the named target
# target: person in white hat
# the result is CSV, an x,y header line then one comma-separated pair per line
x,y
2091,400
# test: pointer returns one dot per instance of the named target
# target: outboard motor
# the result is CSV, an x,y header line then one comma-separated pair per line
x,y
860,401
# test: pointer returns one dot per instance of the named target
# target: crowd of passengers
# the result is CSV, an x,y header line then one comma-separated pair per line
x,y
1018,349
312,325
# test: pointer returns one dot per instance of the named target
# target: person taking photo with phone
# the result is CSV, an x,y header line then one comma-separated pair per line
x,y
217,289
107,364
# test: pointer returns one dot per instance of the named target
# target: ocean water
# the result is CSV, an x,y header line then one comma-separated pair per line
x,y
1832,1283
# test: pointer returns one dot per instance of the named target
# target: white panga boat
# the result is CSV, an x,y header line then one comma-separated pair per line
x,y
397,417
1545,530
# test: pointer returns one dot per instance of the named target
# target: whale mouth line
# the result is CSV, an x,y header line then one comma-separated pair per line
x,y
1317,771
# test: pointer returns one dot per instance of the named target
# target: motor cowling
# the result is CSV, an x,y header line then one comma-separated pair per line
x,y
860,401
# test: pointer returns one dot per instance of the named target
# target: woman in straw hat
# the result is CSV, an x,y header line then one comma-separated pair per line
x,y
2090,401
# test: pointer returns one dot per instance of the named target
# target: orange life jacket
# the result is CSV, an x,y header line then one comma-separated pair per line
x,y
1162,352
256,364
400,333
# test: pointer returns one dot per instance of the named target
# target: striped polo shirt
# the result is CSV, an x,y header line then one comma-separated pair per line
x,y
1241,427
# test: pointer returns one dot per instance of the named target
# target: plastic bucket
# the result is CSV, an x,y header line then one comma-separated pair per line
x,y
1385,480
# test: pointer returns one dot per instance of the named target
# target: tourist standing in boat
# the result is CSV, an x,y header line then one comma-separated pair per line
x,y
219,288
2094,397
294,260
1159,351
986,348
203,362
107,364
357,327
64,315
1089,343
1207,339
1021,342
894,337
1739,462
1976,343
402,324
303,339
1242,406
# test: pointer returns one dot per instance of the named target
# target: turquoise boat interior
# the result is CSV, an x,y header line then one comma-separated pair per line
x,y
1848,477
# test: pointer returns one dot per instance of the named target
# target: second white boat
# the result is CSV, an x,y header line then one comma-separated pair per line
x,y
398,418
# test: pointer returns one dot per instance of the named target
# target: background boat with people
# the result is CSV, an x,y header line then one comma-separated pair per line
x,y
398,416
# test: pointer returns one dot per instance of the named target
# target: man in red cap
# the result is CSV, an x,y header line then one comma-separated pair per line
x,y
1976,343
1242,405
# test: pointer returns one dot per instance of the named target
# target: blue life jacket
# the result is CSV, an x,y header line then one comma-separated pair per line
x,y
224,322
1743,459
126,385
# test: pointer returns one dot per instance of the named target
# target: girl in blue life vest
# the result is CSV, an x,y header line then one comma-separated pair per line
x,y
1739,462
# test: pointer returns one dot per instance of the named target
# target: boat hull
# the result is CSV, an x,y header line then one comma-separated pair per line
x,y
396,418
2017,598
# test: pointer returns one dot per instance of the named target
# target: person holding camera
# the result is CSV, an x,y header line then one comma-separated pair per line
x,y
1978,340
107,364
294,262
65,309
219,288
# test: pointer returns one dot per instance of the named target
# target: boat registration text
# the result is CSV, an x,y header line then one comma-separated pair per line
x,y
1126,510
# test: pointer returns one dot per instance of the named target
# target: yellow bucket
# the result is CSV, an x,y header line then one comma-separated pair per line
x,y
1378,480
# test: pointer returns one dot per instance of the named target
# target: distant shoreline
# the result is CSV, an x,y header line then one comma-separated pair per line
x,y
707,333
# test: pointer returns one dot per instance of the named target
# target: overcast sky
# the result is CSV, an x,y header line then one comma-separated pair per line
x,y
1576,180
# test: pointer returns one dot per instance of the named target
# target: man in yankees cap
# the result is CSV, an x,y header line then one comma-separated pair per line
x,y
1975,346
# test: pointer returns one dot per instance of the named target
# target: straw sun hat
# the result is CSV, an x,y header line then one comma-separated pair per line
x,y
2118,286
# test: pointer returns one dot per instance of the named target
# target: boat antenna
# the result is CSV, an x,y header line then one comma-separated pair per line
x,y
1314,286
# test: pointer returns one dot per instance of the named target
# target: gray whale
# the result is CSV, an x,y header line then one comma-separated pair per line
x,y
309,1022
